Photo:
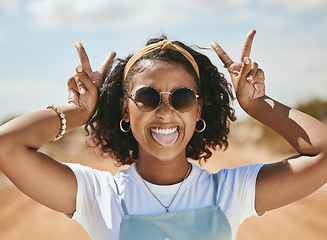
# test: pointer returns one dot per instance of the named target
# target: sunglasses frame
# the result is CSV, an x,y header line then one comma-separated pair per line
x,y
132,96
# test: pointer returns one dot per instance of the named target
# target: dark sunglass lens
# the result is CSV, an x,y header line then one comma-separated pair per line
x,y
147,99
183,99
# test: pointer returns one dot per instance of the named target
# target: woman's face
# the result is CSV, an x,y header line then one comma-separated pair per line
x,y
164,132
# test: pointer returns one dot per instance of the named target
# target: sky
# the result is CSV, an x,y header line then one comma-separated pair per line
x,y
37,53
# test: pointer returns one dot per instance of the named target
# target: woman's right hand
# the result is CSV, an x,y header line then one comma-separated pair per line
x,y
83,86
39,176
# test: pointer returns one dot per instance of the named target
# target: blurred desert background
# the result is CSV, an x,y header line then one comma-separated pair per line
x,y
23,219
38,56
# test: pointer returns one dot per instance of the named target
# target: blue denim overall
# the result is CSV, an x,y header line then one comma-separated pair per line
x,y
209,223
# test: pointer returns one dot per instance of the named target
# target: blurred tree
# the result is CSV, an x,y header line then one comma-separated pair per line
x,y
7,119
316,108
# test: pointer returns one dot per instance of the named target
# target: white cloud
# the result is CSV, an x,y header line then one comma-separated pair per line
x,y
300,5
92,15
85,15
277,46
258,16
10,6
291,5
239,3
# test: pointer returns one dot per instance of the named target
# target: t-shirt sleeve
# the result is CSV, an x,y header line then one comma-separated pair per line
x,y
90,183
236,193
98,208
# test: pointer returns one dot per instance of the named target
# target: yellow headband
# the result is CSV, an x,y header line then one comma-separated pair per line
x,y
165,44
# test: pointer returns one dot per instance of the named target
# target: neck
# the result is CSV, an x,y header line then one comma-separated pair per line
x,y
163,172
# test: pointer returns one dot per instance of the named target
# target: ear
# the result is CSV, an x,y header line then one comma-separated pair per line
x,y
200,104
124,110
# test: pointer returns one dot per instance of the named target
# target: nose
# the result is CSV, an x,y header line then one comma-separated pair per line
x,y
165,110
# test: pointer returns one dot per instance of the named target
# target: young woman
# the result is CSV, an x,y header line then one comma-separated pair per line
x,y
158,108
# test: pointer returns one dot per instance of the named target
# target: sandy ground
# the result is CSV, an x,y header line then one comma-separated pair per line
x,y
23,219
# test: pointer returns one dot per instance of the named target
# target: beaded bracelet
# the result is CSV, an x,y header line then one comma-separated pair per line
x,y
62,118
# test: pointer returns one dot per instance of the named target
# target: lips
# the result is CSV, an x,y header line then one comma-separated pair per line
x,y
165,136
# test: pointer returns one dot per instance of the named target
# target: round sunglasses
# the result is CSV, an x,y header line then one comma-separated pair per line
x,y
148,99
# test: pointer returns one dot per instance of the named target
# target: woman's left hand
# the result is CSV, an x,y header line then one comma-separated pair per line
x,y
248,80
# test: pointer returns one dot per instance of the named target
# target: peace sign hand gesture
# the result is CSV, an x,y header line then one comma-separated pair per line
x,y
83,86
248,80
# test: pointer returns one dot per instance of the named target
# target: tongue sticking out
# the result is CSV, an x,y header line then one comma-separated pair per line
x,y
164,138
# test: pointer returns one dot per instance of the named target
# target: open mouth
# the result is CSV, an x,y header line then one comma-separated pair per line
x,y
165,136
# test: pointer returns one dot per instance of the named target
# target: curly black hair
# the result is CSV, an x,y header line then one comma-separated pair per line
x,y
215,91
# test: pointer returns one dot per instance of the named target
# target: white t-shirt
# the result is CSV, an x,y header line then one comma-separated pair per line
x,y
99,211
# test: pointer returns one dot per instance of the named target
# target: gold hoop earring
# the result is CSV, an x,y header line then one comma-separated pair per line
x,y
203,128
121,126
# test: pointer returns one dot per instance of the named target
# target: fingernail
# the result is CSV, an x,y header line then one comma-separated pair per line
x,y
246,61
214,45
82,91
79,68
250,78
77,44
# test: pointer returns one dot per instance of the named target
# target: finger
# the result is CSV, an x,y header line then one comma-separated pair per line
x,y
79,85
72,91
85,82
252,73
83,57
260,75
73,97
107,64
226,60
72,84
245,70
248,45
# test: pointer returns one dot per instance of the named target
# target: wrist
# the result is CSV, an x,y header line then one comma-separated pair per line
x,y
254,106
75,116
62,119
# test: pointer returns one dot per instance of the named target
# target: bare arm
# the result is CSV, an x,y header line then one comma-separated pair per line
x,y
37,175
283,182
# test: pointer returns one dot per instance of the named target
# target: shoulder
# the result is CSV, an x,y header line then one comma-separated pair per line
x,y
199,176
236,193
227,175
240,173
87,171
97,184
90,178
97,202
238,185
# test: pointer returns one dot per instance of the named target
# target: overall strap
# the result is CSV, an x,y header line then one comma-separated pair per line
x,y
122,203
215,185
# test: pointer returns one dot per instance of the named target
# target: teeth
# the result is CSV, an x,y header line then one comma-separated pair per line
x,y
164,130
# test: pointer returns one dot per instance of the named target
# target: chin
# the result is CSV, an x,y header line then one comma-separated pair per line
x,y
164,153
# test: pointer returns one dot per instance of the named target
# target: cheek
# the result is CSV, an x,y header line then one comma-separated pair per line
x,y
190,123
137,119
195,115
